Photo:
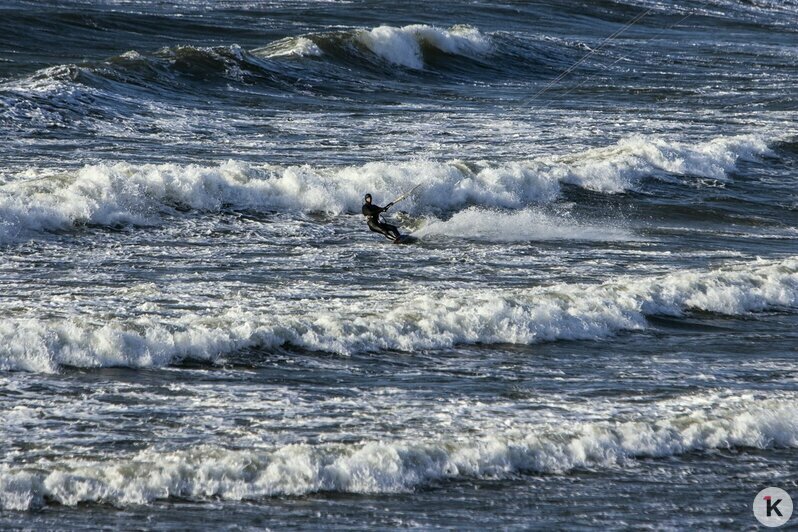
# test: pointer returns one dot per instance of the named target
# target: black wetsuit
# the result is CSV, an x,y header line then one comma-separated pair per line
x,y
372,214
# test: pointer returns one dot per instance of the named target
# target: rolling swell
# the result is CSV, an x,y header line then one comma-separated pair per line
x,y
120,87
379,65
313,66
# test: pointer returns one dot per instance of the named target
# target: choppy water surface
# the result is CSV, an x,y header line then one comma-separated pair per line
x,y
597,322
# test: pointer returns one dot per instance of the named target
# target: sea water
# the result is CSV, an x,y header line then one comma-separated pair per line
x,y
596,328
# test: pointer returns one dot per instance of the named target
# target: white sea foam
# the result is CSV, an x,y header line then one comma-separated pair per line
x,y
519,226
403,46
426,320
44,98
620,167
207,472
290,46
110,194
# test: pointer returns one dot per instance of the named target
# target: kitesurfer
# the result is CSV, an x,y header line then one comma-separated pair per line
x,y
372,213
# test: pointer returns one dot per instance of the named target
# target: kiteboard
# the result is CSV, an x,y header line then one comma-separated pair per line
x,y
405,239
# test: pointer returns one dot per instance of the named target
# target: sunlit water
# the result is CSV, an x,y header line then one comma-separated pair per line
x,y
597,321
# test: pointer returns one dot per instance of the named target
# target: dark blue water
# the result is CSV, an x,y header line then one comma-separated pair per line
x,y
596,322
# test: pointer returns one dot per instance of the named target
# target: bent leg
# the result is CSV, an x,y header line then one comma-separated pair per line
x,y
391,231
384,230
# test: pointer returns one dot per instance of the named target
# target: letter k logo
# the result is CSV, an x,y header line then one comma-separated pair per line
x,y
772,506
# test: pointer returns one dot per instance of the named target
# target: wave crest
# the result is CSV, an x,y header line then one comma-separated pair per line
x,y
207,472
110,194
415,322
404,46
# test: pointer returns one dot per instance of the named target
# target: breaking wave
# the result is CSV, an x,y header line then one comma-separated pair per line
x,y
68,95
113,194
404,46
433,320
208,472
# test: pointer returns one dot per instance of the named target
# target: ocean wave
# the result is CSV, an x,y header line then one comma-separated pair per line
x,y
414,47
113,194
427,320
324,65
173,70
619,167
405,46
211,472
519,226
124,87
228,61
290,47
50,98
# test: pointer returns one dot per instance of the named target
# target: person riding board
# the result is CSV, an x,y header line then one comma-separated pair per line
x,y
372,214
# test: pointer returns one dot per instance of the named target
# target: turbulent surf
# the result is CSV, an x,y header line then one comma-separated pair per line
x,y
197,328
